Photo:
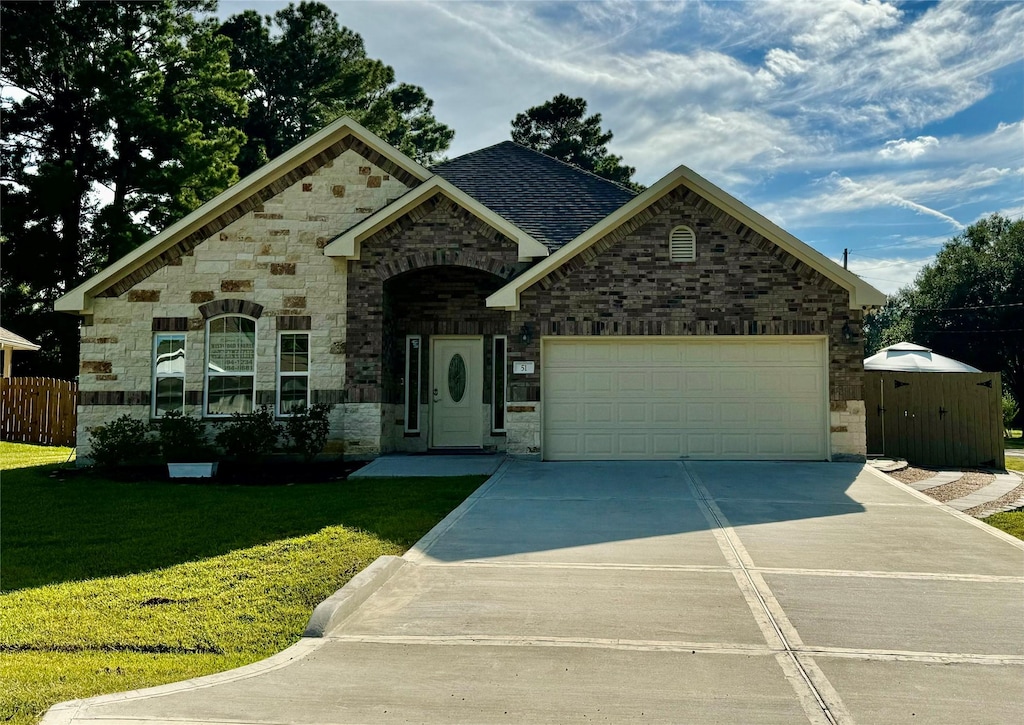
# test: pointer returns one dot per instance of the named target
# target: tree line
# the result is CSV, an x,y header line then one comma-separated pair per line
x,y
120,118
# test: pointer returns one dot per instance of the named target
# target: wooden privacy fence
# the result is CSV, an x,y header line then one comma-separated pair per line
x,y
38,410
935,419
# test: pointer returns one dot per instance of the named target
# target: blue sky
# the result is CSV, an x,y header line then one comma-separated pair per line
x,y
882,127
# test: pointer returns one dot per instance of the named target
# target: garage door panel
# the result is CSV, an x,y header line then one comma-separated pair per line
x,y
702,398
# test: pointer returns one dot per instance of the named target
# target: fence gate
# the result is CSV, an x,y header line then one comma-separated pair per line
x,y
935,419
38,410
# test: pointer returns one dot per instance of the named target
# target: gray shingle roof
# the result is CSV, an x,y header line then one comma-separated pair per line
x,y
547,198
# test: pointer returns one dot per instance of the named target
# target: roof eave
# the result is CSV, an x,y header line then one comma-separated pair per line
x,y
79,300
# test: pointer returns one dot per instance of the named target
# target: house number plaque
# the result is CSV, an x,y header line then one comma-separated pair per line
x,y
522,367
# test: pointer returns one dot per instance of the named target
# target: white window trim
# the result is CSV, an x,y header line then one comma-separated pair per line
x,y
281,333
686,246
206,364
157,338
494,379
412,397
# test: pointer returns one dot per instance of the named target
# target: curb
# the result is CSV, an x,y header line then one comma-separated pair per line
x,y
976,523
331,612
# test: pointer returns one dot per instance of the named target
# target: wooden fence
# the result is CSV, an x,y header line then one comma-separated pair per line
x,y
935,419
38,410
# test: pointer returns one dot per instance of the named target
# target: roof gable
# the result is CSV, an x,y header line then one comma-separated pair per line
x,y
231,204
347,244
554,202
633,213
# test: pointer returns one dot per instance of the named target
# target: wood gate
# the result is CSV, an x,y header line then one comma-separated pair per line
x,y
38,410
935,419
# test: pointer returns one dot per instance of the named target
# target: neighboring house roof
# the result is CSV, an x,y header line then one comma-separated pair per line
x,y
11,341
347,244
234,202
549,199
906,357
862,294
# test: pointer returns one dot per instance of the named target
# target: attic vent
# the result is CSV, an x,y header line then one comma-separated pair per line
x,y
682,245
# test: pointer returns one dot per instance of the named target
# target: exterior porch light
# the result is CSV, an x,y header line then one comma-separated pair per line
x,y
848,334
526,334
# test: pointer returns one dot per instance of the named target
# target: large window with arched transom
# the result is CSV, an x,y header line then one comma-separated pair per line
x,y
230,365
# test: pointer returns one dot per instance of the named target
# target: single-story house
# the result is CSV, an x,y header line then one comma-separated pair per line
x,y
500,300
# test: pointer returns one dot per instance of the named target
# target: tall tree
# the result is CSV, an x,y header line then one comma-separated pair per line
x,y
968,304
561,129
308,70
118,118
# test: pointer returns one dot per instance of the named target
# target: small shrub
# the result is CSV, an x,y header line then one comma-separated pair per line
x,y
1010,412
250,436
120,441
308,430
183,438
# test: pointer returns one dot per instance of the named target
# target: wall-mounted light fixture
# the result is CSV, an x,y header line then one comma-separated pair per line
x,y
526,333
848,334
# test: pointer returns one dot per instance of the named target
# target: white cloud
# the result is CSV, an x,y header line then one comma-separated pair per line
x,y
903,149
887,275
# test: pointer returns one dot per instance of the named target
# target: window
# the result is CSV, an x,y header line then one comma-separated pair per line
x,y
230,365
413,367
292,372
168,373
500,365
682,245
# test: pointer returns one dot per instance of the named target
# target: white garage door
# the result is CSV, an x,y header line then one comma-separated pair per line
x,y
728,398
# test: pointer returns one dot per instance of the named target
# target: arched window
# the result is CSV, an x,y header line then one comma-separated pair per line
x,y
682,245
230,365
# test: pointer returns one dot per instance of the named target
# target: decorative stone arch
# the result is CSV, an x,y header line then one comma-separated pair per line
x,y
446,258
230,307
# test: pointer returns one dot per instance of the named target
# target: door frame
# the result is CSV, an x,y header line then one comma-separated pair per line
x,y
430,385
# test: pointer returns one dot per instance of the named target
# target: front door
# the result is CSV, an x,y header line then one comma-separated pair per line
x,y
457,387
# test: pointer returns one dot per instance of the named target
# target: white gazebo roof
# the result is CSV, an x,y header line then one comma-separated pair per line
x,y
906,357
11,341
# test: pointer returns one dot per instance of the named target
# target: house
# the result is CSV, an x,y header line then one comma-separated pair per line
x,y
501,300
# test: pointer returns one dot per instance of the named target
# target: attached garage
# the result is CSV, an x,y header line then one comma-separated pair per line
x,y
742,397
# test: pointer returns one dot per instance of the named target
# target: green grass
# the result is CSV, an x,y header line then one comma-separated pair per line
x,y
111,586
1015,441
1012,522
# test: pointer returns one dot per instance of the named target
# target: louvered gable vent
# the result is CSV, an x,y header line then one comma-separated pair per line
x,y
682,245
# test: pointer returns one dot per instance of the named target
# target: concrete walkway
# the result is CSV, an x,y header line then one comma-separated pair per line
x,y
1002,485
430,466
939,479
653,592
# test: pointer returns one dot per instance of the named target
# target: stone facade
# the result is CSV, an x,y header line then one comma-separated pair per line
x,y
271,257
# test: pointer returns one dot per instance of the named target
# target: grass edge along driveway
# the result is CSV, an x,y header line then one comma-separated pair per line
x,y
248,594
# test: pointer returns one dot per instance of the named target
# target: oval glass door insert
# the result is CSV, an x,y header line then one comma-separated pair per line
x,y
457,378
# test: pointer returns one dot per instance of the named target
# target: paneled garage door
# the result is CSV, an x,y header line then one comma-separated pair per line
x,y
729,398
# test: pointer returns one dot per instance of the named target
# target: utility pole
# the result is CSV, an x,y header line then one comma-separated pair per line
x,y
846,257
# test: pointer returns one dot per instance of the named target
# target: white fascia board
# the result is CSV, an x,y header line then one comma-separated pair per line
x,y
861,293
79,299
347,245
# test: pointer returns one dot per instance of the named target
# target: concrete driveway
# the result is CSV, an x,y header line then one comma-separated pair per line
x,y
656,592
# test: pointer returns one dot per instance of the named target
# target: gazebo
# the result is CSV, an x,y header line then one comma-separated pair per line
x,y
9,342
931,409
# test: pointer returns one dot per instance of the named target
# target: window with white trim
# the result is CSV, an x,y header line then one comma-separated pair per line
x,y
499,382
413,371
682,245
292,372
230,365
168,372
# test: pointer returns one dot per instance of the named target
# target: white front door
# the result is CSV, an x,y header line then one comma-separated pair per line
x,y
457,387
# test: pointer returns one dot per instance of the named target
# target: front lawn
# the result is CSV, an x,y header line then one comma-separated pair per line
x,y
111,586
1012,522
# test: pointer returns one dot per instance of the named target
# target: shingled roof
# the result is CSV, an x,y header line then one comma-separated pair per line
x,y
547,198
